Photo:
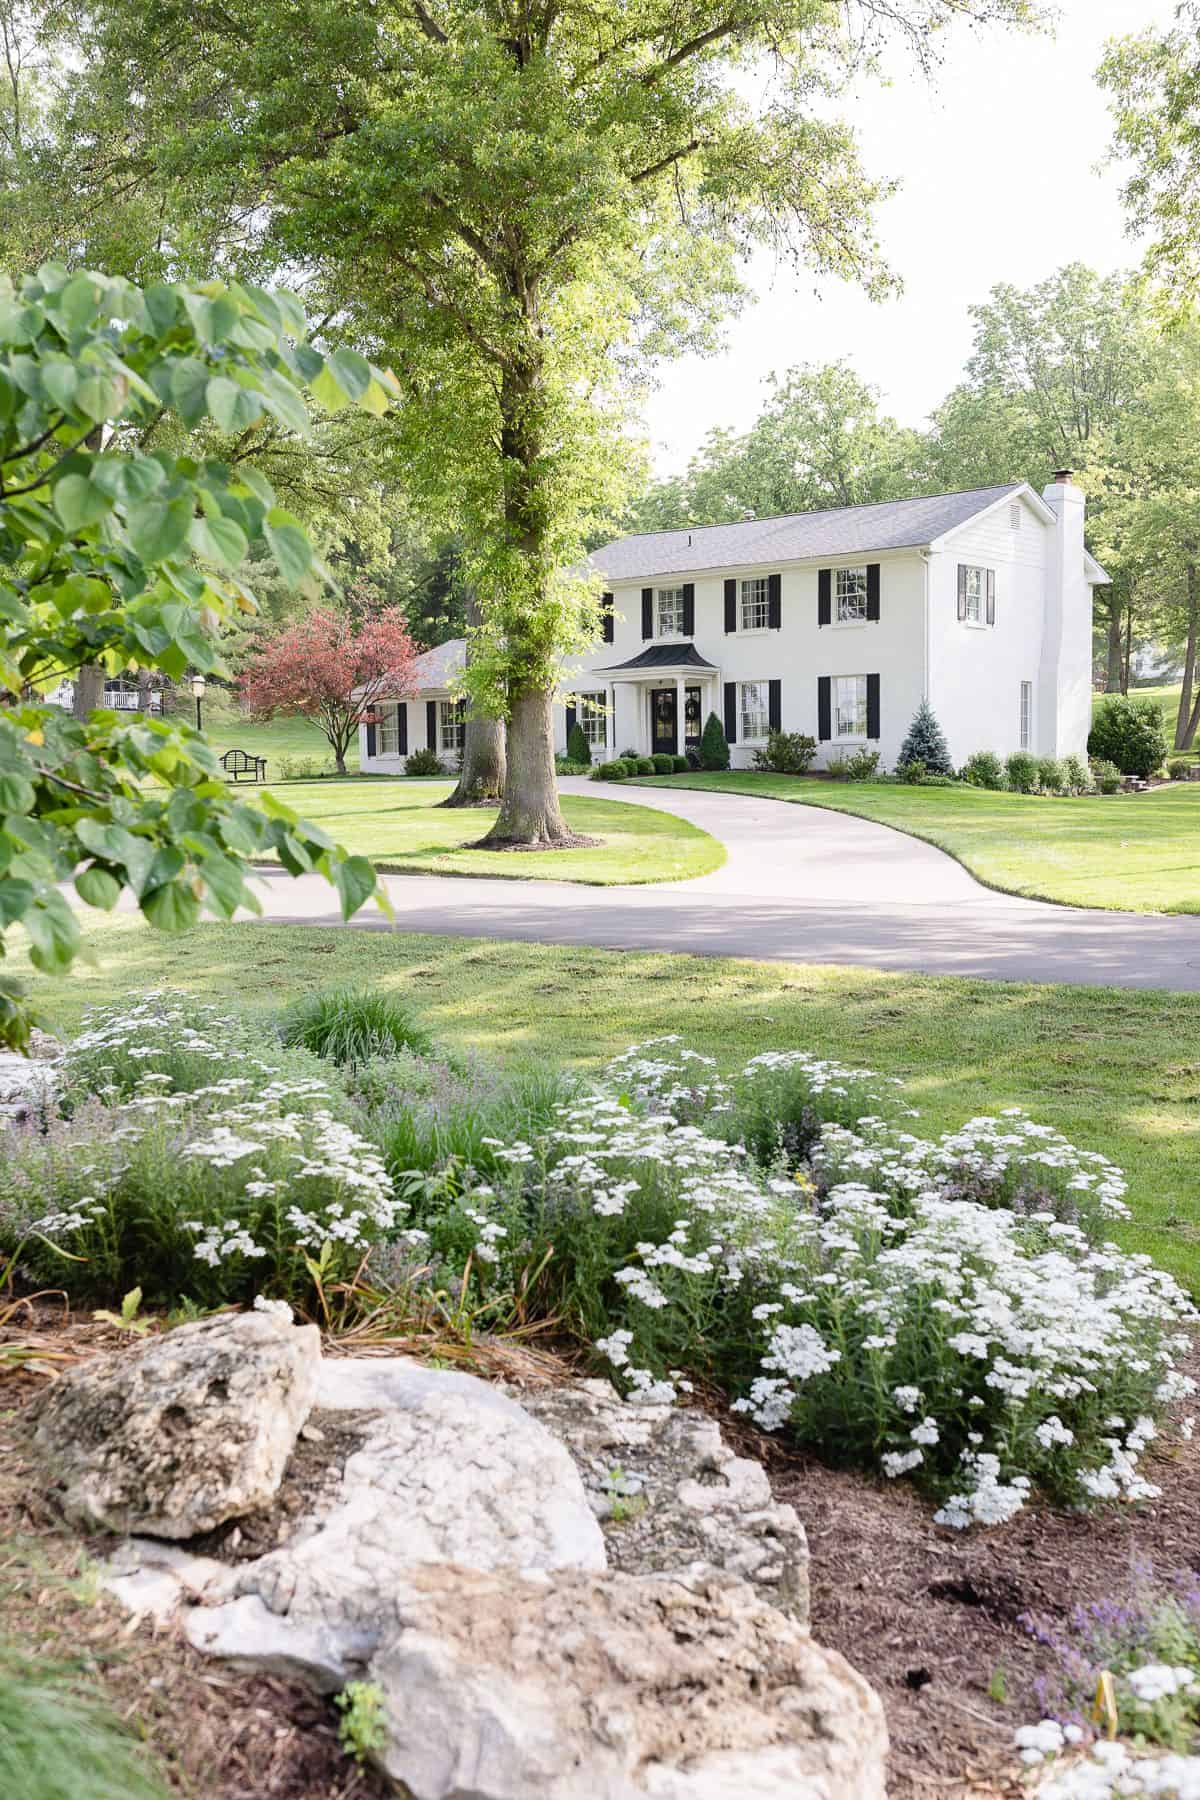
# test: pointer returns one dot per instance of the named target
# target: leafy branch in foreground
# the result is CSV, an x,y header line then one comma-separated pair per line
x,y
116,554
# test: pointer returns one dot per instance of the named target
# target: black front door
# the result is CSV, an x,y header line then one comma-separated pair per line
x,y
692,723
664,734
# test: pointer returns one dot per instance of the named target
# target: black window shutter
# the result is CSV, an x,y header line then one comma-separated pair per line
x,y
731,604
731,712
370,740
824,596
872,590
775,705
689,609
402,728
962,590
606,617
647,612
571,717
774,602
991,597
824,708
431,724
872,706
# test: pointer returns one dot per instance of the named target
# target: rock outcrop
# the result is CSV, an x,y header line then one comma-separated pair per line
x,y
448,1549
176,1434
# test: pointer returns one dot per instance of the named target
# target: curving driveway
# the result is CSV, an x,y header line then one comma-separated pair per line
x,y
800,885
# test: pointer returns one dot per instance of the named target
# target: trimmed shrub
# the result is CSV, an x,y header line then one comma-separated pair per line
x,y
714,749
1076,778
679,765
617,770
1130,733
837,767
578,748
1050,775
664,763
564,766
352,1025
644,766
423,762
926,743
1179,768
984,770
786,753
862,766
1021,772
913,772
1106,775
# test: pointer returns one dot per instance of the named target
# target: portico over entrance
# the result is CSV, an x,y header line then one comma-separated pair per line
x,y
660,699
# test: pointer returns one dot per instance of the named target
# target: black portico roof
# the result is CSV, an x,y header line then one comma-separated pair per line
x,y
662,656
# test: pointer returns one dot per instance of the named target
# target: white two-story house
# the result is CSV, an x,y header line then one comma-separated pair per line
x,y
835,624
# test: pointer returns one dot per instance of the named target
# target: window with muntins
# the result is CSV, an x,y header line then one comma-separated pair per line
x,y
756,613
670,612
850,706
976,594
452,723
851,595
592,719
1026,713
754,710
387,736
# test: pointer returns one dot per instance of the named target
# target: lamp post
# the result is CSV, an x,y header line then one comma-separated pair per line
x,y
198,691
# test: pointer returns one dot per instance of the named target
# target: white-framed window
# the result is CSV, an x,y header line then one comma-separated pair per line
x,y
593,720
851,595
754,710
452,725
849,706
756,609
387,733
1026,714
976,591
670,612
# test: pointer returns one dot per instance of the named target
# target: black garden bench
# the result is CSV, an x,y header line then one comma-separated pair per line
x,y
239,765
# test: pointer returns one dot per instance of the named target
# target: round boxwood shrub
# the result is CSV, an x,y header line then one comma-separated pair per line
x,y
645,766
679,765
664,764
1050,775
1021,770
423,762
984,770
617,770
1129,733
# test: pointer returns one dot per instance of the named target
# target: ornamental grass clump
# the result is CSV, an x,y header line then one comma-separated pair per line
x,y
58,1743
353,1025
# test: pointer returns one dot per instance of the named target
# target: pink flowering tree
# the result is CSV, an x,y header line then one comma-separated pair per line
x,y
332,671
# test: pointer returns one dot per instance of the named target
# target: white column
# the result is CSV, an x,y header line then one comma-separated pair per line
x,y
610,723
680,709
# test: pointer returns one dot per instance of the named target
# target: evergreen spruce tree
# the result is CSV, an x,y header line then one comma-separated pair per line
x,y
714,751
926,744
578,748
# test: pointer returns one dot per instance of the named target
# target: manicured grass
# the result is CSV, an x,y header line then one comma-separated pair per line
x,y
1118,1071
400,826
226,729
1131,852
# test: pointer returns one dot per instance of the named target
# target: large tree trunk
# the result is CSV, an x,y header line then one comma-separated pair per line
x,y
529,813
481,778
1188,716
89,690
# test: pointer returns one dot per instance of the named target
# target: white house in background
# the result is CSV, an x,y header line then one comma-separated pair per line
x,y
835,624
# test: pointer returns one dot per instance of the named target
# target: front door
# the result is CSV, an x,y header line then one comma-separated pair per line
x,y
692,724
664,735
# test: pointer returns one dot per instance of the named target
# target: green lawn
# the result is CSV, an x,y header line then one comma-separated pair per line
x,y
1139,852
1117,1071
226,729
399,825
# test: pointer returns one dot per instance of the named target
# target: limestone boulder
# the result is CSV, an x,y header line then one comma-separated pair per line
x,y
173,1436
618,1687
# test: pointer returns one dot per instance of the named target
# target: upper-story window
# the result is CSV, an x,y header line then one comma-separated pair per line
x,y
756,603
976,595
851,595
670,612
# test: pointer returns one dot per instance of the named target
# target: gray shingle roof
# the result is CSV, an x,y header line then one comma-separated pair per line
x,y
440,666
844,531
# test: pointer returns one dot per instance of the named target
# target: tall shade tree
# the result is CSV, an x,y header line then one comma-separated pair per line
x,y
515,201
331,671
1153,82
118,554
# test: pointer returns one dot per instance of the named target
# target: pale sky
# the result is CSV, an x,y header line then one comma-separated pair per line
x,y
999,159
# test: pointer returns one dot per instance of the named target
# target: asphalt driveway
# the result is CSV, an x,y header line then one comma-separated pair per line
x,y
801,884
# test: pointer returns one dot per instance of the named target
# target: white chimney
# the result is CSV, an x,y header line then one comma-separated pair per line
x,y
1064,710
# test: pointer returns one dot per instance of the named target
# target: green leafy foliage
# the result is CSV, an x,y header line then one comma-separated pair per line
x,y
352,1025
985,770
926,743
714,747
786,753
1021,772
578,748
1130,733
100,523
424,762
